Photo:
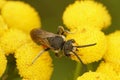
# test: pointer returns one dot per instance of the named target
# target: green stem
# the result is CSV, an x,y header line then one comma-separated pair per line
x,y
81,68
77,70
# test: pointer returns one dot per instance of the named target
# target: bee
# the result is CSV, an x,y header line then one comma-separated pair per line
x,y
55,42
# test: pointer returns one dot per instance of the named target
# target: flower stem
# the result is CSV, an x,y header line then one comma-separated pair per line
x,y
77,70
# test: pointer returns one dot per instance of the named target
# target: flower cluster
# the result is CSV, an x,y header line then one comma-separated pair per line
x,y
17,19
86,20
85,33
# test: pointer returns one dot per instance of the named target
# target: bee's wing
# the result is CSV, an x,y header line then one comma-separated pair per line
x,y
40,36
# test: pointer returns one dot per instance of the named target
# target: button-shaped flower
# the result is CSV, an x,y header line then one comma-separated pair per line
x,y
87,12
113,50
93,76
108,69
41,69
20,15
89,36
13,39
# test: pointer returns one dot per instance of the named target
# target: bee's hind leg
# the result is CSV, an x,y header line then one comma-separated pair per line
x,y
39,54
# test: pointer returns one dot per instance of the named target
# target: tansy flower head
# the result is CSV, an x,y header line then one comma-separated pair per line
x,y
89,36
20,15
113,50
3,62
40,70
86,12
108,69
93,76
12,40
3,26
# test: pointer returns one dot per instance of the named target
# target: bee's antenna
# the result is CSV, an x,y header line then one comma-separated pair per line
x,y
82,47
77,56
40,53
85,45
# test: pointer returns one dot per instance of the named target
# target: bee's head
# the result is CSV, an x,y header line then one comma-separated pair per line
x,y
70,47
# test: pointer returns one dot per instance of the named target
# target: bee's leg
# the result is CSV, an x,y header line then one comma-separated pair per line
x,y
58,54
40,53
67,53
62,31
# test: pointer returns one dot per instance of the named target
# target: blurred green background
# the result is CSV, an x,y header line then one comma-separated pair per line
x,y
51,12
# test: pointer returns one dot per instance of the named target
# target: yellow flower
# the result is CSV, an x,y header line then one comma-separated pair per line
x,y
3,62
20,15
2,2
3,26
93,76
12,40
87,12
108,69
40,70
113,50
89,36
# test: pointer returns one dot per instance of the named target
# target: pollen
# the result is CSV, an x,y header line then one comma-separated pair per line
x,y
93,76
87,36
41,69
3,62
12,40
20,15
87,12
